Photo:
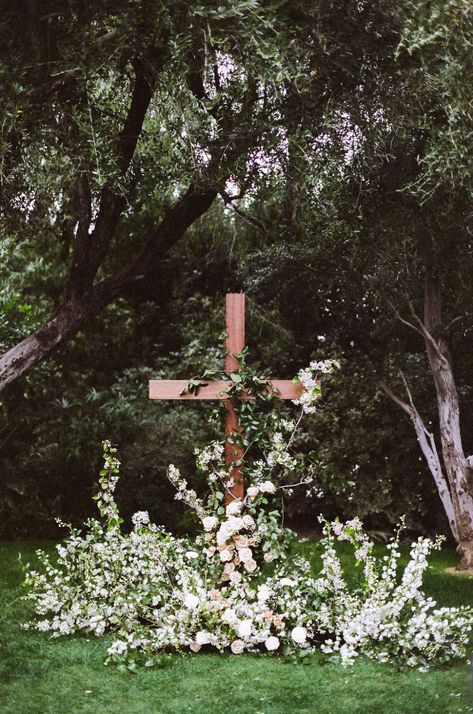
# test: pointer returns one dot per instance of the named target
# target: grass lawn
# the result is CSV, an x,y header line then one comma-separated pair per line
x,y
39,675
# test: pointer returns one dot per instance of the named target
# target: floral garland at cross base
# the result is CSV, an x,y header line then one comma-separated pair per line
x,y
159,593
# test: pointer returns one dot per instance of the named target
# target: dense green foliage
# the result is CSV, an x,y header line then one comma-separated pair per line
x,y
39,675
354,163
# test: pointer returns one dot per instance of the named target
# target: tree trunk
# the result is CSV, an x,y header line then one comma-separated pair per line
x,y
47,338
456,464
79,306
429,449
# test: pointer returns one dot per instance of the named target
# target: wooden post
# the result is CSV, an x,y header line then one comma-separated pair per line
x,y
235,342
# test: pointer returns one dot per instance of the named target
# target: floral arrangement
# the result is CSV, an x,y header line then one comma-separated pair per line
x,y
233,586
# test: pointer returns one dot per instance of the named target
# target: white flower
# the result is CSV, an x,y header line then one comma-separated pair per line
x,y
118,647
267,487
234,524
191,554
235,577
237,646
264,593
250,566
194,646
209,523
245,554
229,616
299,635
287,581
191,601
140,518
223,534
244,628
248,521
202,637
252,491
271,644
43,625
234,508
226,555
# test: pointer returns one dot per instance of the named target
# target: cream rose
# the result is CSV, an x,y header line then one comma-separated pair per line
x,y
245,554
299,635
209,523
272,643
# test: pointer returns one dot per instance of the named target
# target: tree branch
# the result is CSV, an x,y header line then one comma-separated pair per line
x,y
77,308
228,200
91,248
429,449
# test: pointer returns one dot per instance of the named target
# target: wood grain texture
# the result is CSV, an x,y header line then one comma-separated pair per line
x,y
235,326
173,388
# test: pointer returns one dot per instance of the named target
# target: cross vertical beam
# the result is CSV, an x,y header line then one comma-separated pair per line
x,y
235,342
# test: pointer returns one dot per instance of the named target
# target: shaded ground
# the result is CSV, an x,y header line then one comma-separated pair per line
x,y
43,676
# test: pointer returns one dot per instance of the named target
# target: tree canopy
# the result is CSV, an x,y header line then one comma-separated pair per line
x,y
154,155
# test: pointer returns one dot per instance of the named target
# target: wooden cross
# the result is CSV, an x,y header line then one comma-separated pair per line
x,y
235,342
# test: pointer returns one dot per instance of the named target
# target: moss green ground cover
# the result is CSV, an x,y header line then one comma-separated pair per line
x,y
39,675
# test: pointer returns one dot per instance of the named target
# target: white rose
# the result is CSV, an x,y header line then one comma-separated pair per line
x,y
234,508
229,568
191,601
226,555
299,635
235,577
245,554
252,491
250,566
202,638
195,647
237,646
244,628
229,616
272,643
209,523
222,535
234,524
267,487
248,521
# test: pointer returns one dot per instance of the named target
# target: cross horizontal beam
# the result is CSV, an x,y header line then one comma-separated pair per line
x,y
176,389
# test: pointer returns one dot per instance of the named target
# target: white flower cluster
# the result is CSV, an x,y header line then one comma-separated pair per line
x,y
184,493
140,519
211,454
384,618
279,455
310,380
214,591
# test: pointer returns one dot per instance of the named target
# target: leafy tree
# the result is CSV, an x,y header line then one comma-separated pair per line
x,y
392,216
122,123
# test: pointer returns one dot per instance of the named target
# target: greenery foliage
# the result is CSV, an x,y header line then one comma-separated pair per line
x,y
336,137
